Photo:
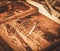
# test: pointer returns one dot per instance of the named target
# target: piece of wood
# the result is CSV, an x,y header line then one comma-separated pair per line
x,y
57,14
26,9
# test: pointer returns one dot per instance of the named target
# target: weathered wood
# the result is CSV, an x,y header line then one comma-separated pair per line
x,y
16,31
57,14
35,40
4,46
21,11
11,40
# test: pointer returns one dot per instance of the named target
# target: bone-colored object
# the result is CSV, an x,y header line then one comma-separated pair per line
x,y
43,11
52,10
32,29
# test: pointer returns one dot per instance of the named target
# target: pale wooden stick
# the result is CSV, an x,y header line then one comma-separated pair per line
x,y
52,10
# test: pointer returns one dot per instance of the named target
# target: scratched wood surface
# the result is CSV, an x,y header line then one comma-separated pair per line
x,y
16,9
26,29
16,32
